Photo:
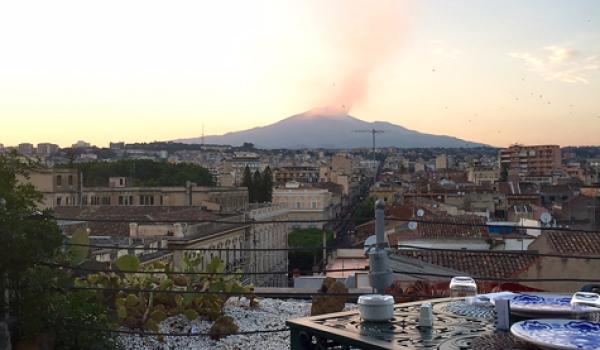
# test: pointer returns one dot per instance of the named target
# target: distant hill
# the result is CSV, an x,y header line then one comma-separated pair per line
x,y
330,128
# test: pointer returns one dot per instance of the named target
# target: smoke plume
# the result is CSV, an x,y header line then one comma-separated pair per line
x,y
365,34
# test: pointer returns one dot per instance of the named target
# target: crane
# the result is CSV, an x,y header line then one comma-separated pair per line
x,y
373,132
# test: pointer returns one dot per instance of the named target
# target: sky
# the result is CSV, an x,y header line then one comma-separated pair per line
x,y
496,72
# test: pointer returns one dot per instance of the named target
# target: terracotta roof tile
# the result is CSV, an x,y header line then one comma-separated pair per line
x,y
583,243
475,263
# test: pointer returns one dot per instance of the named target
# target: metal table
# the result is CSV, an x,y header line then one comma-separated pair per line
x,y
456,326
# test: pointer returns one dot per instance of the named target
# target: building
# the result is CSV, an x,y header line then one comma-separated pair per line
x,y
305,204
47,149
61,187
481,176
542,161
268,236
81,144
58,186
25,149
341,164
116,145
305,173
231,172
441,161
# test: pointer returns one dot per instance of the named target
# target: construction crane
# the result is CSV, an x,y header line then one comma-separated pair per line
x,y
373,132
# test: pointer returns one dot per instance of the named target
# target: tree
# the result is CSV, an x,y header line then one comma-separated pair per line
x,y
259,195
28,239
247,182
267,185
504,172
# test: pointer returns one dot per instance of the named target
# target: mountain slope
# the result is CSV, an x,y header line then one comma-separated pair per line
x,y
329,128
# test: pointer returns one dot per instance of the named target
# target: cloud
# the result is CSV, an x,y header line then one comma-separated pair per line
x,y
560,64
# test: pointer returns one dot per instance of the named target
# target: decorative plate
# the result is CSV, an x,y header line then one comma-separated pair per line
x,y
532,305
559,333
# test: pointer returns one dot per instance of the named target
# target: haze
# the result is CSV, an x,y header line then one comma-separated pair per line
x,y
495,72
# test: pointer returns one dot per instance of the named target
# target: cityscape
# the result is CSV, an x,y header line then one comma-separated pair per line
x,y
448,211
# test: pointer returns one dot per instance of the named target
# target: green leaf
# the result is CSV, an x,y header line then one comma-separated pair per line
x,y
158,316
132,300
121,311
128,263
79,252
190,314
152,325
187,299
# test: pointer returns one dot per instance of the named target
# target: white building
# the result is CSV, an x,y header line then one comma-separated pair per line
x,y
305,204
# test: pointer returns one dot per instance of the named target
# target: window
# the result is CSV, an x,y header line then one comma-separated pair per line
x,y
120,200
121,182
313,205
58,180
58,200
70,180
298,205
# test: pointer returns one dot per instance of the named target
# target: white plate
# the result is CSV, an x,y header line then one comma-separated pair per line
x,y
559,333
542,304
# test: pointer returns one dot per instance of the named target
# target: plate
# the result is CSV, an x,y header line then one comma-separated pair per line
x,y
559,333
539,304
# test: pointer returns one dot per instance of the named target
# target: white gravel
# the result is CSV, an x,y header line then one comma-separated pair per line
x,y
270,314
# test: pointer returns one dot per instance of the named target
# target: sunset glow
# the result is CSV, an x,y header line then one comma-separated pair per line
x,y
495,72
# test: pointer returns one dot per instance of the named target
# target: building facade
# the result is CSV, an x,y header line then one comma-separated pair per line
x,y
531,161
305,204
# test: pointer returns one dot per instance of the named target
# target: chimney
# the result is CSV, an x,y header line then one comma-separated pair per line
x,y
133,229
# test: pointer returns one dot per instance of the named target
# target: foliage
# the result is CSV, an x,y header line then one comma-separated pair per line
x,y
504,172
29,237
307,238
260,186
145,173
365,211
145,310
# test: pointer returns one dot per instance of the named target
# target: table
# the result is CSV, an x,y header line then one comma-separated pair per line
x,y
456,326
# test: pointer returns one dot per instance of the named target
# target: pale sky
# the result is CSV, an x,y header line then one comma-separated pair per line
x,y
496,72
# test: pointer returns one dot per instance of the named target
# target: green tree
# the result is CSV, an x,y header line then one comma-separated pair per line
x,y
504,172
247,182
259,195
365,211
267,185
29,238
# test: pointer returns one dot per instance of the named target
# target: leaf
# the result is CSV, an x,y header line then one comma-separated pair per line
x,y
128,263
132,300
158,316
190,314
153,326
121,311
187,299
79,251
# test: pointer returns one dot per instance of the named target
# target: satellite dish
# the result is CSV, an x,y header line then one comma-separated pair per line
x,y
546,218
420,212
412,225
371,240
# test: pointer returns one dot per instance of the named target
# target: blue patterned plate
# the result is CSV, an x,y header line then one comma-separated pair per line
x,y
559,334
536,305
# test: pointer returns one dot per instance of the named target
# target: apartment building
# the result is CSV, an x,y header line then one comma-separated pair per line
x,y
531,161
305,203
25,149
47,149
303,173
231,172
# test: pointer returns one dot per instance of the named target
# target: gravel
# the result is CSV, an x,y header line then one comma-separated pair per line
x,y
270,314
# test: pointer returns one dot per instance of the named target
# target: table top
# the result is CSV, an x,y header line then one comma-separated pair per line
x,y
456,325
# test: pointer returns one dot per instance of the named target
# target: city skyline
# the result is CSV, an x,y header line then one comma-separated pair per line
x,y
492,72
